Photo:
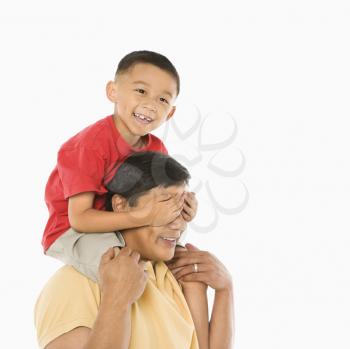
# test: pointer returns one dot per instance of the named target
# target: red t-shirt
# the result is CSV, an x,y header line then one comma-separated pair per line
x,y
85,163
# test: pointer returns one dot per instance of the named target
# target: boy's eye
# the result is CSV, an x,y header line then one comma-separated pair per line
x,y
164,100
140,90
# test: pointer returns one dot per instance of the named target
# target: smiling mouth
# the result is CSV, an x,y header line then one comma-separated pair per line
x,y
169,242
169,239
142,118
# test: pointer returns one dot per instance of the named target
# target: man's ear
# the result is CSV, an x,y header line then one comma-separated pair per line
x,y
118,203
111,91
171,113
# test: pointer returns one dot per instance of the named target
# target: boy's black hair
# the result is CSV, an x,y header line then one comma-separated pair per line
x,y
141,172
150,57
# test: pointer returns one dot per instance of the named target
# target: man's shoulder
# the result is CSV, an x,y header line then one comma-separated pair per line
x,y
68,300
67,280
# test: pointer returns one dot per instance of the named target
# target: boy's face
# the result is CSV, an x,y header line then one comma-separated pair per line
x,y
149,241
143,97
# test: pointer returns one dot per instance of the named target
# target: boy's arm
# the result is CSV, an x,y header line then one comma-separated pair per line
x,y
84,218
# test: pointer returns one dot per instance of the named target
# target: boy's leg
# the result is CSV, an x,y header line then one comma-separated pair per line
x,y
84,251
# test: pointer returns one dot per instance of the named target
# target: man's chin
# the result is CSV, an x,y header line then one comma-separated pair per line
x,y
163,256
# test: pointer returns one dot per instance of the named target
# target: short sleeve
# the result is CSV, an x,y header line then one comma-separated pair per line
x,y
156,144
81,170
164,150
68,300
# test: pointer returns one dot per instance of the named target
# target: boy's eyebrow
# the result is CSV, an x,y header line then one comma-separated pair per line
x,y
145,83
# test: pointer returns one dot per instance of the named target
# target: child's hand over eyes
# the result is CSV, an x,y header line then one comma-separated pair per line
x,y
190,206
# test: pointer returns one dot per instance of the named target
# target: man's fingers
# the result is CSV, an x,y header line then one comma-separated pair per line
x,y
180,272
199,277
181,262
108,255
191,247
142,264
188,254
135,255
125,251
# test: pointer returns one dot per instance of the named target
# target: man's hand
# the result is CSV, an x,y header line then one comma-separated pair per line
x,y
121,276
175,268
210,270
190,206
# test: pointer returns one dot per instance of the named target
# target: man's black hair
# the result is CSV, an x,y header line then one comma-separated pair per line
x,y
141,172
150,57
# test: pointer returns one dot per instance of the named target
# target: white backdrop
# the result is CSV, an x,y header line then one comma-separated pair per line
x,y
276,72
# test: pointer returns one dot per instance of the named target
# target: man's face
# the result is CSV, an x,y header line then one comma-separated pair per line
x,y
150,241
144,97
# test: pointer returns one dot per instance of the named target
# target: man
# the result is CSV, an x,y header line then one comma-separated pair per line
x,y
138,302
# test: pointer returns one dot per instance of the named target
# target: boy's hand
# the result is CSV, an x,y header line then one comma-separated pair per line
x,y
178,224
163,209
190,206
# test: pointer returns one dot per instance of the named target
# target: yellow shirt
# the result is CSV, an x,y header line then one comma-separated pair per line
x,y
160,318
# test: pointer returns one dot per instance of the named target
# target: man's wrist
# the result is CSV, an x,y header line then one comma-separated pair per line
x,y
111,301
194,285
227,290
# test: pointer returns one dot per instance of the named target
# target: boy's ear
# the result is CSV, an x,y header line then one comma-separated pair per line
x,y
118,203
171,113
111,91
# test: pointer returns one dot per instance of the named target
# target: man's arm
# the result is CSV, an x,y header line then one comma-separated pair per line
x,y
214,274
196,297
111,330
122,282
195,294
219,333
221,328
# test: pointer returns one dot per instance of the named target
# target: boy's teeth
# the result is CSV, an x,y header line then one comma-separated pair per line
x,y
143,117
171,239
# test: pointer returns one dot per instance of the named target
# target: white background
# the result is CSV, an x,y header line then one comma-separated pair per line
x,y
281,68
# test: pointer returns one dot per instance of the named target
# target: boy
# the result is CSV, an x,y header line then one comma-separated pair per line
x,y
144,91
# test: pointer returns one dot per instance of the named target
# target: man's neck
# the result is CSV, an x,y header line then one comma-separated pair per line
x,y
147,260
